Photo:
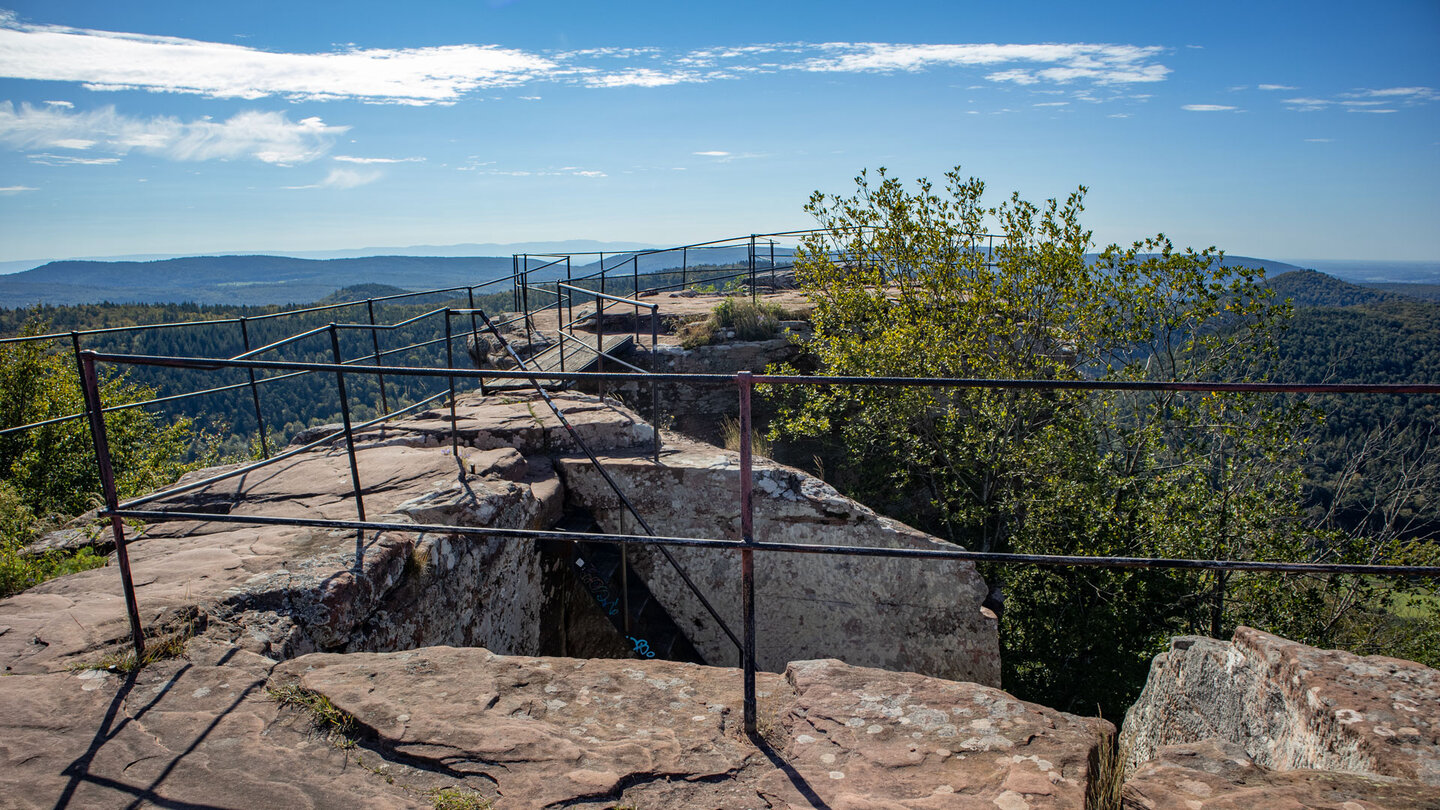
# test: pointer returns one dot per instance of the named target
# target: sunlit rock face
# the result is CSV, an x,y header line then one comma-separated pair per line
x,y
1290,706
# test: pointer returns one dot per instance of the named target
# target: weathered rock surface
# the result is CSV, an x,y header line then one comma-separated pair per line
x,y
1289,706
904,615
283,591
196,733
1212,775
552,732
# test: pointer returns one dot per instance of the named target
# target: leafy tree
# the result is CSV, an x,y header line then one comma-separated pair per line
x,y
50,471
906,285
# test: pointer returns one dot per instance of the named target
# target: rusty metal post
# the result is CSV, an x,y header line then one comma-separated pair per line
x,y
747,556
654,386
91,384
349,445
375,342
255,391
450,364
752,267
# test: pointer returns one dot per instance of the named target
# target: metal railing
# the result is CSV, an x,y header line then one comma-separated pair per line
x,y
746,544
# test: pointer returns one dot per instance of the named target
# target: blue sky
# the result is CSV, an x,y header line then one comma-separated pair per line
x,y
1270,129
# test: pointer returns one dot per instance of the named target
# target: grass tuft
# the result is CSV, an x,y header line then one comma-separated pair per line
x,y
458,799
324,716
730,429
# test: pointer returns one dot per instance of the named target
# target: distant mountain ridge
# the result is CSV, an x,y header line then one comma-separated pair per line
x,y
267,279
249,280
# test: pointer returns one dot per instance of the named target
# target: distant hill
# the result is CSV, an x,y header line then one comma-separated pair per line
x,y
1427,292
1309,288
239,280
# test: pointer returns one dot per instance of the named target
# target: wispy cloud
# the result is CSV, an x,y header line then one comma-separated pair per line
x,y
563,171
1384,100
1209,108
108,60
1319,140
9,191
712,153
372,160
269,137
1055,62
1275,87
343,179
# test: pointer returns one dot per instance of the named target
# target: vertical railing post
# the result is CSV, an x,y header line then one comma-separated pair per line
x,y
349,444
91,385
600,339
635,268
602,271
655,386
684,267
774,286
79,366
450,364
569,296
255,390
375,343
752,267
747,556
474,331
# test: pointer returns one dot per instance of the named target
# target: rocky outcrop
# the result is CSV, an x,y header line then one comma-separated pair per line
x,y
1215,775
1290,707
906,615
547,732
525,732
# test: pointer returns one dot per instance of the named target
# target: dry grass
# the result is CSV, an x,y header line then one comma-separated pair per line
x,y
730,429
337,725
1106,775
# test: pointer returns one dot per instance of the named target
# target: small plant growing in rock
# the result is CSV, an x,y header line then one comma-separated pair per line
x,y
324,715
697,333
458,799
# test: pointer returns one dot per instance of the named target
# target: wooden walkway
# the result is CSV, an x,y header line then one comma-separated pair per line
x,y
576,358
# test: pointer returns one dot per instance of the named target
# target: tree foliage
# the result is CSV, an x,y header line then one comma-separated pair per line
x,y
906,284
50,472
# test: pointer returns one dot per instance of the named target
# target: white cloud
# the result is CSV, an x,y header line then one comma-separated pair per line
x,y
269,137
13,190
67,105
108,60
1102,64
1209,108
563,171
1276,87
46,159
365,160
712,153
343,179
1363,100
641,77
1052,104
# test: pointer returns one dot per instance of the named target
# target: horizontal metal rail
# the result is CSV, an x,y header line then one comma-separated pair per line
x,y
251,467
777,379
1052,560
609,297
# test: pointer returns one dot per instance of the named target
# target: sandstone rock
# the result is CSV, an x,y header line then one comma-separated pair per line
x,y
905,615
538,732
196,733
1214,775
281,591
1290,706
